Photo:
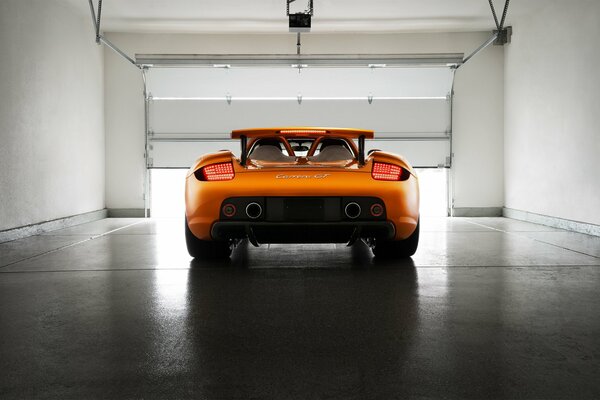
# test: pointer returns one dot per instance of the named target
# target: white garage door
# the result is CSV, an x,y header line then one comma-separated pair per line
x,y
192,111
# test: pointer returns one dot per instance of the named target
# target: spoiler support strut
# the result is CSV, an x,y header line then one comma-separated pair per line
x,y
361,150
244,156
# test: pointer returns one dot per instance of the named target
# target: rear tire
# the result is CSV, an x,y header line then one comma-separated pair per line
x,y
398,248
206,249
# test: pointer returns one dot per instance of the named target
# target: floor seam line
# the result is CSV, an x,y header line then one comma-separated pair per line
x,y
300,268
69,245
536,240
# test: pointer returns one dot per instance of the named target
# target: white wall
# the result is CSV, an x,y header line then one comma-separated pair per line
x,y
552,106
51,113
478,121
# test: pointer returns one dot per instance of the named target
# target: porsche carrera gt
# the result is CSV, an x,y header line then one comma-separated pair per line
x,y
302,185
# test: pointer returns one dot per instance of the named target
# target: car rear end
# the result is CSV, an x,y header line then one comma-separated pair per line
x,y
225,201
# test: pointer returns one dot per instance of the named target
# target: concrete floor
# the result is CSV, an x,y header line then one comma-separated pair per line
x,y
487,308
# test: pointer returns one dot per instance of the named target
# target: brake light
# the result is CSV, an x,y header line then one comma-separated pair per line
x,y
299,132
216,172
389,172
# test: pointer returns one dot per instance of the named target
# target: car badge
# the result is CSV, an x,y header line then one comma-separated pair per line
x,y
316,176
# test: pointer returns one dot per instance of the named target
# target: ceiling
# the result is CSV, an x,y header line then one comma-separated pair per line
x,y
268,16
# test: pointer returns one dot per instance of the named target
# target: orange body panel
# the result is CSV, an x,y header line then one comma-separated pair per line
x,y
204,198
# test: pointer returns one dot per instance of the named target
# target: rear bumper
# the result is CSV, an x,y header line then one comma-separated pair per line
x,y
302,232
204,200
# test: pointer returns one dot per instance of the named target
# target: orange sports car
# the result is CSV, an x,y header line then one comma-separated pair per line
x,y
302,185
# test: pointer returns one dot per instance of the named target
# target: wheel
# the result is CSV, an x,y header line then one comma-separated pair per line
x,y
398,248
205,248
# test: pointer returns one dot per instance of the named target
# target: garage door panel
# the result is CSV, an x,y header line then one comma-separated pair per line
x,y
385,117
420,153
289,82
182,154
189,108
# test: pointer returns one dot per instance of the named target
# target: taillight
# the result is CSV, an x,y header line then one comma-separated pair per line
x,y
216,172
389,172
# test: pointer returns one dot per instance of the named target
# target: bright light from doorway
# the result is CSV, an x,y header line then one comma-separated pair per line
x,y
167,191
167,188
433,185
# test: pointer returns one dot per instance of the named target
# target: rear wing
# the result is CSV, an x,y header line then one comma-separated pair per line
x,y
302,131
348,133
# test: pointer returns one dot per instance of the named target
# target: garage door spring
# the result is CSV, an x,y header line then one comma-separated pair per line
x,y
98,21
499,25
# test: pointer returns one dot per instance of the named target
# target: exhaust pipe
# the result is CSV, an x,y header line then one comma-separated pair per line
x,y
253,210
352,210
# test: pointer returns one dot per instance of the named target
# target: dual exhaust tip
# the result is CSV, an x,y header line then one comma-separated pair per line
x,y
254,210
352,210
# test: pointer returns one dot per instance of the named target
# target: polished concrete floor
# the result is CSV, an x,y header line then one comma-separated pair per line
x,y
488,308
